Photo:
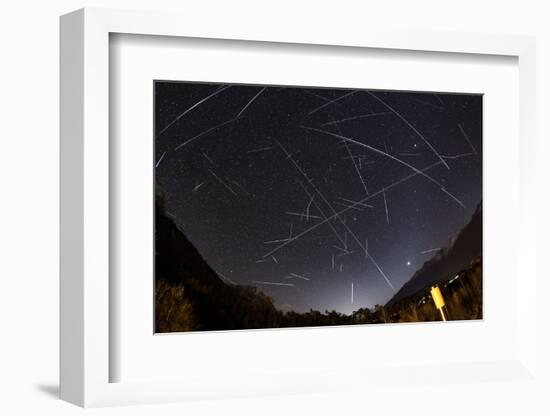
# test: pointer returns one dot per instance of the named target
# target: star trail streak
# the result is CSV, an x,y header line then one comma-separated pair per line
x,y
250,102
330,123
391,157
160,160
192,107
331,102
205,132
411,126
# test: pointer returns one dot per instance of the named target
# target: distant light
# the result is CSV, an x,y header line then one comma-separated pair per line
x,y
408,263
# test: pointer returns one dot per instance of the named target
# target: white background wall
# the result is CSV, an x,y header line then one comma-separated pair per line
x,y
29,194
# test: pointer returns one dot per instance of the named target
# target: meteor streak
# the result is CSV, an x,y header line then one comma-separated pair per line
x,y
192,107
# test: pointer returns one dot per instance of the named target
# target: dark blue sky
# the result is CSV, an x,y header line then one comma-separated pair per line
x,y
387,177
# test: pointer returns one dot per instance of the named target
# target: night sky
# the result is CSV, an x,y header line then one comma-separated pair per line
x,y
323,198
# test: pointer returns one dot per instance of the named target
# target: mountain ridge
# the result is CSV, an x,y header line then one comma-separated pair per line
x,y
459,252
190,295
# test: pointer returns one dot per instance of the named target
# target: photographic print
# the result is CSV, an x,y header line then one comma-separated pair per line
x,y
283,206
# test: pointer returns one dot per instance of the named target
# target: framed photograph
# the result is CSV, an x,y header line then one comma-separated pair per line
x,y
292,208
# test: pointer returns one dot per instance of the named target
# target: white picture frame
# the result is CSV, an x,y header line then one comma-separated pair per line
x,y
85,221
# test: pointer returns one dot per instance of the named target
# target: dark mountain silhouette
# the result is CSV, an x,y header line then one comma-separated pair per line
x,y
190,295
459,253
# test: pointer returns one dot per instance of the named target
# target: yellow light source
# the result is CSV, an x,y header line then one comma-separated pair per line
x,y
438,300
437,297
